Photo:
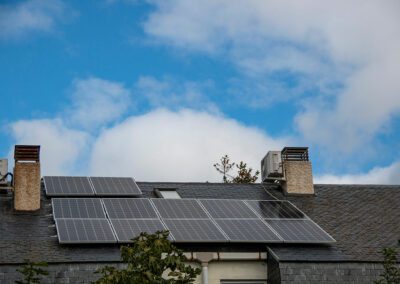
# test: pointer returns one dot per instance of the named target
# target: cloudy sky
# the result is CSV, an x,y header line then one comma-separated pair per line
x,y
160,90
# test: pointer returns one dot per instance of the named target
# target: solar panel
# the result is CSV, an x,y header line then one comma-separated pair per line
x,y
67,186
300,231
129,208
228,209
76,231
247,230
194,230
77,208
127,229
115,186
275,209
179,209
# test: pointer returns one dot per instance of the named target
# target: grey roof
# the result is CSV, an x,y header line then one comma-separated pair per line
x,y
363,220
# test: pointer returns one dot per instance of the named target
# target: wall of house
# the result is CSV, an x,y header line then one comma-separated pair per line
x,y
58,273
235,270
84,272
226,270
329,272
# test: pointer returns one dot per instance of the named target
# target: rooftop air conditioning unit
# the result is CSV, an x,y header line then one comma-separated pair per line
x,y
271,166
3,170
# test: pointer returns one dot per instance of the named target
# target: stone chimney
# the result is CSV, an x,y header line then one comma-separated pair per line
x,y
297,171
27,177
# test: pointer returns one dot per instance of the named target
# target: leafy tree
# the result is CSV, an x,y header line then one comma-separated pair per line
x,y
224,168
148,259
32,272
391,273
244,174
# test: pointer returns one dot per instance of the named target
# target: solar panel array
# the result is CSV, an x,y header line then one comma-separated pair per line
x,y
77,231
82,208
68,186
112,220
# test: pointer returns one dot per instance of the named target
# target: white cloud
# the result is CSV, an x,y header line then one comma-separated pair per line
x,y
96,102
174,144
29,16
62,149
169,93
163,145
344,52
378,175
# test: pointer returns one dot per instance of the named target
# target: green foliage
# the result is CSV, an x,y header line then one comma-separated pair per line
x,y
391,273
244,174
148,258
32,272
224,168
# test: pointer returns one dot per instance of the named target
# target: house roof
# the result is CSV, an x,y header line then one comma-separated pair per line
x,y
363,220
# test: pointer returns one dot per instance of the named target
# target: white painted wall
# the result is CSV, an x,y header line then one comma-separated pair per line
x,y
233,270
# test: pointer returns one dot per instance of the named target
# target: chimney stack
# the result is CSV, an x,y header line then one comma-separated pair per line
x,y
298,171
27,177
291,168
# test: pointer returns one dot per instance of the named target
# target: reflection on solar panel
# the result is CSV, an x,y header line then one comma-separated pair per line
x,y
83,220
300,231
74,231
127,229
275,209
77,208
179,208
247,230
129,208
115,186
194,230
67,186
228,209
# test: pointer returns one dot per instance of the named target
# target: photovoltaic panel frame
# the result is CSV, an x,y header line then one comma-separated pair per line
x,y
248,230
127,229
228,208
179,209
275,209
195,231
129,208
113,186
300,231
83,208
79,231
67,186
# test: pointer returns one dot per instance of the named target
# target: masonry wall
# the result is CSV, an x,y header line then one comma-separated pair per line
x,y
299,178
84,272
27,186
361,273
58,273
257,270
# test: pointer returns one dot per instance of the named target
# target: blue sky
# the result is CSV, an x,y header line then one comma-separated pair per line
x,y
159,90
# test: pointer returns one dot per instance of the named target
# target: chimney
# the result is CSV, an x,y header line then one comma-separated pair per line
x,y
291,168
27,177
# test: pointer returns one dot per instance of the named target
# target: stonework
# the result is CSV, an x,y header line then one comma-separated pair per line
x,y
58,273
278,273
299,178
27,186
358,273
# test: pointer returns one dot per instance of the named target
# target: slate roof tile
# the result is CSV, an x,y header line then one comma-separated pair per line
x,y
363,220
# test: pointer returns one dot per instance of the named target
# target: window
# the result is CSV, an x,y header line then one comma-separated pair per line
x,y
167,193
